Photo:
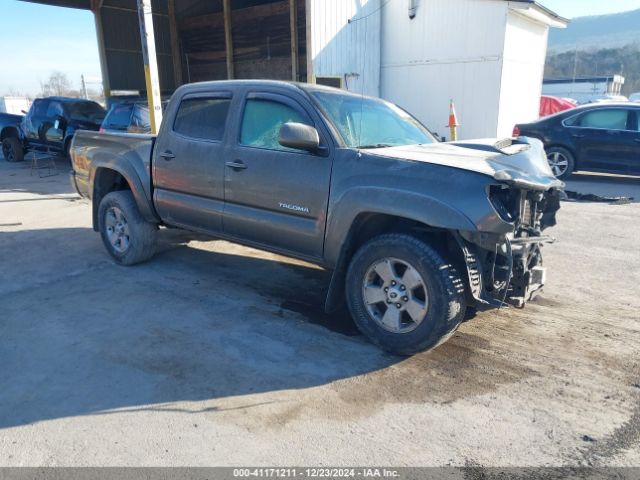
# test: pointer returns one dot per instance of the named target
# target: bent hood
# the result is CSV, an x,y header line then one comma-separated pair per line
x,y
520,162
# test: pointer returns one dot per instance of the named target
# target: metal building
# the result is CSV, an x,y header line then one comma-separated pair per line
x,y
585,89
486,55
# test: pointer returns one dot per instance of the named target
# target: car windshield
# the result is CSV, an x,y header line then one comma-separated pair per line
x,y
365,122
86,111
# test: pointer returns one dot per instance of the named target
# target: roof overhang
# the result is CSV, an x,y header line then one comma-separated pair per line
x,y
82,4
538,13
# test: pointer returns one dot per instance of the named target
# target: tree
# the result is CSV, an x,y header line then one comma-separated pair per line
x,y
58,84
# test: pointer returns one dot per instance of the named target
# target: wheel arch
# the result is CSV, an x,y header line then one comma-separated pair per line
x,y
367,225
9,132
106,179
568,148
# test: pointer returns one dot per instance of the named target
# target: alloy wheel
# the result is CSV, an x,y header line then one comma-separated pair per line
x,y
117,229
558,162
7,151
395,295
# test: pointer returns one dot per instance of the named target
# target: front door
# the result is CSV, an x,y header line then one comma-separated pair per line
x,y
188,163
276,196
35,120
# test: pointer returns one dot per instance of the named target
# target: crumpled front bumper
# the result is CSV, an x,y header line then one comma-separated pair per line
x,y
508,268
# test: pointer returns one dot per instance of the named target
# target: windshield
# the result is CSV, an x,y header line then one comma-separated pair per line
x,y
365,122
86,111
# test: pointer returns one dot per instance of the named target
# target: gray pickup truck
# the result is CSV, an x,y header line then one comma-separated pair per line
x,y
414,230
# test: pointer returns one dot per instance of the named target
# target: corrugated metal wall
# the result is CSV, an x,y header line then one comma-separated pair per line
x,y
451,49
121,36
345,42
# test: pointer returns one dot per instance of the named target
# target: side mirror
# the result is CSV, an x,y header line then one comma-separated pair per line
x,y
299,136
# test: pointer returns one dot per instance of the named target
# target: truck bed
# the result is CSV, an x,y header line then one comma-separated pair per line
x,y
93,150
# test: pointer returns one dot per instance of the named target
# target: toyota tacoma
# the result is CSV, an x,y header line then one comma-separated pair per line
x,y
414,231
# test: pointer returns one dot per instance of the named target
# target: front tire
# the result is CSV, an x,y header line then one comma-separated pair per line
x,y
403,295
561,161
126,235
12,149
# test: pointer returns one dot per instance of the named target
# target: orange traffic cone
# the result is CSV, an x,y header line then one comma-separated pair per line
x,y
453,121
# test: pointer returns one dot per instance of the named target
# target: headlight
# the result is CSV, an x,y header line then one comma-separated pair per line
x,y
502,199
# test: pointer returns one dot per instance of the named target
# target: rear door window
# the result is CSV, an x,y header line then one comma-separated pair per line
x,y
202,118
610,119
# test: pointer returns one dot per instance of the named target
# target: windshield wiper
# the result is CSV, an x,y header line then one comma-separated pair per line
x,y
375,145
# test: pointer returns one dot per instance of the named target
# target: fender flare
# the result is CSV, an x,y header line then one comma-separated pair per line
x,y
128,172
10,128
342,225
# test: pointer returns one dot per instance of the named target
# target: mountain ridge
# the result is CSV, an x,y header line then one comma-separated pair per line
x,y
597,32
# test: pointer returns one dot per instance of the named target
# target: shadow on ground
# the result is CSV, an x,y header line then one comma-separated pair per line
x,y
605,185
81,335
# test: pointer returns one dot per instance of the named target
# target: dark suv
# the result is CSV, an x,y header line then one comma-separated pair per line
x,y
128,116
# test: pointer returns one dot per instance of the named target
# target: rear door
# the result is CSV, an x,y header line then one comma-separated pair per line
x,y
188,162
276,196
605,139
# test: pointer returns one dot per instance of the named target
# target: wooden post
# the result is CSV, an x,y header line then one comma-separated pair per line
x,y
228,38
148,40
175,45
293,19
309,42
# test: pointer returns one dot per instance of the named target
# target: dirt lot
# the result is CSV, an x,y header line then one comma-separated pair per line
x,y
214,354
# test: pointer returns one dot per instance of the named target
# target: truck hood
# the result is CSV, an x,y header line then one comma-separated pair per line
x,y
520,162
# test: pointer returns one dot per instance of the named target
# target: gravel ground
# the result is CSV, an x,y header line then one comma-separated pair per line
x,y
215,354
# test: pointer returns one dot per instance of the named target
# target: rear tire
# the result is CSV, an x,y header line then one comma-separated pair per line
x,y
416,307
12,149
561,161
126,235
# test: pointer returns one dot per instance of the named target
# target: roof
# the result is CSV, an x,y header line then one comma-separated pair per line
x,y
594,79
538,12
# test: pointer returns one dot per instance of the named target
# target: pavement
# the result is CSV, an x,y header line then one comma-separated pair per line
x,y
214,354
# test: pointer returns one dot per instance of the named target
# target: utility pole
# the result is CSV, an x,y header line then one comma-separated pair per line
x,y
85,95
145,18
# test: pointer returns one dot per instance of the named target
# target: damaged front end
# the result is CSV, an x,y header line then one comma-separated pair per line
x,y
507,268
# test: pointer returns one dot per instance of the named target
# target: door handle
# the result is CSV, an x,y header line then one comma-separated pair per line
x,y
168,155
236,165
637,140
577,135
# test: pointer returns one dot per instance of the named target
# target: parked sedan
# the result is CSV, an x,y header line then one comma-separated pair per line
x,y
601,137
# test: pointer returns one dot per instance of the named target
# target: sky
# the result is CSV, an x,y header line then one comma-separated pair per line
x,y
582,8
38,39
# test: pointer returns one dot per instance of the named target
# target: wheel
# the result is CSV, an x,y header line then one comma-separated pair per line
x,y
561,161
403,295
128,237
12,149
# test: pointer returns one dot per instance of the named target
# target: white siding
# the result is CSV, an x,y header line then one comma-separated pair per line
x,y
522,72
350,51
452,49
